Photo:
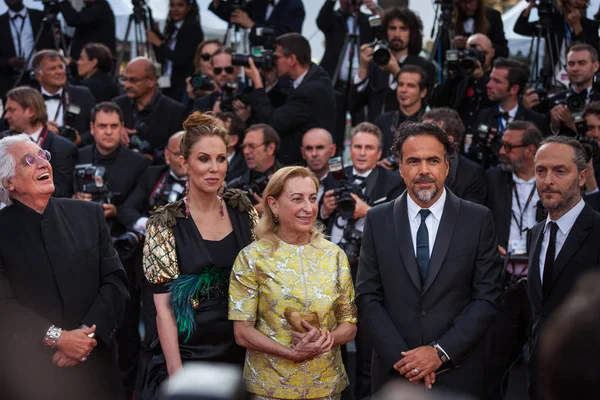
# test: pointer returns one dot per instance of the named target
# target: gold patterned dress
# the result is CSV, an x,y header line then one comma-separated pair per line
x,y
310,278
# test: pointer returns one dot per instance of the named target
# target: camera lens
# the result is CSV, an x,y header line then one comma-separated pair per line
x,y
575,102
381,54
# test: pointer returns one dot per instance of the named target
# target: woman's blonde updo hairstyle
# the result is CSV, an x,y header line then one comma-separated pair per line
x,y
199,125
266,228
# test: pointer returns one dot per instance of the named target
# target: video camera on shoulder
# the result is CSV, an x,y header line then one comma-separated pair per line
x,y
261,55
90,179
381,51
344,190
67,131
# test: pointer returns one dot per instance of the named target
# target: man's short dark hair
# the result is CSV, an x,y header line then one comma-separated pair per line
x,y
592,108
106,107
412,21
367,127
518,72
585,47
415,69
236,127
412,129
295,43
580,155
453,124
269,134
531,134
41,55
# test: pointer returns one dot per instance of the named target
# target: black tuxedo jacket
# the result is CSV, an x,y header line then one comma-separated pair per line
x,y
78,280
489,116
333,25
102,86
94,23
466,179
495,32
377,96
310,105
7,47
500,191
82,96
136,205
455,304
287,16
385,122
580,253
189,36
237,167
164,117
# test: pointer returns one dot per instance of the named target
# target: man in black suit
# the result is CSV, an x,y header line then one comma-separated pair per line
x,y
61,98
345,226
94,23
317,149
26,113
374,86
311,104
564,245
338,26
150,117
19,26
283,16
516,207
507,82
62,287
428,276
466,179
475,17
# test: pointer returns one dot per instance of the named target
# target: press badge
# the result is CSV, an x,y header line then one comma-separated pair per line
x,y
519,246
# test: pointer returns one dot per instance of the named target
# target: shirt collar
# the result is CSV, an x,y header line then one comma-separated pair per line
x,y
365,175
512,112
47,93
274,3
566,222
36,135
183,178
22,13
437,208
516,179
299,80
178,24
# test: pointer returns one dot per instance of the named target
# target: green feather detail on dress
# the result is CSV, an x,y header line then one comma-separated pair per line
x,y
191,287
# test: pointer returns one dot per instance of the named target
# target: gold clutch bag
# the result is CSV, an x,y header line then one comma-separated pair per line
x,y
294,317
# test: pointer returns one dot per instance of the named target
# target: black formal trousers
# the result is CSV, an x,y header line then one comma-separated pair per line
x,y
454,305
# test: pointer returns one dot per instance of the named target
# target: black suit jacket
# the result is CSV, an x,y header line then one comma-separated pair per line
x,y
8,51
102,86
580,253
310,105
466,179
94,23
237,167
385,122
188,37
489,116
333,25
82,96
454,306
287,16
495,32
136,205
500,191
377,96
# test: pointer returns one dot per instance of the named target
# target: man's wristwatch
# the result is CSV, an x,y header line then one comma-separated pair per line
x,y
441,354
52,336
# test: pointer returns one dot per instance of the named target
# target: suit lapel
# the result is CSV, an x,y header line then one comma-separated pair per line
x,y
533,276
5,33
404,239
443,237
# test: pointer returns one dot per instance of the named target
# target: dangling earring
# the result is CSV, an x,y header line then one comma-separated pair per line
x,y
276,219
186,198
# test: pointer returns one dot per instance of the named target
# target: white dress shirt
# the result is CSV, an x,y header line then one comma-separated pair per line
x,y
52,106
22,34
35,137
517,239
565,223
299,80
469,25
337,232
432,221
270,9
172,43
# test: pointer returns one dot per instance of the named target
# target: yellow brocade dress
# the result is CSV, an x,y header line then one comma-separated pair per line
x,y
311,278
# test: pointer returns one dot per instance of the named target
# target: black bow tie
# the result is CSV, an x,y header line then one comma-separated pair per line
x,y
171,180
358,178
504,115
14,18
584,93
51,97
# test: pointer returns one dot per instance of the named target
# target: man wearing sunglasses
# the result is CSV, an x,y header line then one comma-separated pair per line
x,y
25,112
224,73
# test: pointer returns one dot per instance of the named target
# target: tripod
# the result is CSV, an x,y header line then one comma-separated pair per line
x,y
51,21
539,73
350,48
233,40
445,32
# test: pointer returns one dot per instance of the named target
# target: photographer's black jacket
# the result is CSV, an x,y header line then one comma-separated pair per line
x,y
377,96
251,176
389,121
495,32
333,25
102,86
163,117
94,23
310,105
287,16
81,96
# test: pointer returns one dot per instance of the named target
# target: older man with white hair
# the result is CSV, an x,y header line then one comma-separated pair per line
x,y
62,287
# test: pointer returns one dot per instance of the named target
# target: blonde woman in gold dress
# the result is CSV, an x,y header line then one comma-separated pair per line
x,y
292,265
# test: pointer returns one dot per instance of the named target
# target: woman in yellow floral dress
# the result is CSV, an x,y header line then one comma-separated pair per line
x,y
292,265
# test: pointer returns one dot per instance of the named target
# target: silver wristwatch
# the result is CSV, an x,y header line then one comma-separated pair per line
x,y
52,336
91,335
441,353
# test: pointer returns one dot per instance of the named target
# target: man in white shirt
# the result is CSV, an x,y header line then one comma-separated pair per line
x,y
563,246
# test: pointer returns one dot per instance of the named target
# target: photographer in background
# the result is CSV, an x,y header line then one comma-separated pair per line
x,y
582,65
68,106
374,85
283,16
411,93
465,88
311,104
150,117
94,67
260,145
317,149
94,23
368,185
566,26
194,84
473,16
176,47
236,164
25,112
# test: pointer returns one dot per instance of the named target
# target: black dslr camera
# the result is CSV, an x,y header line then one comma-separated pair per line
x,y
67,131
90,179
136,143
230,93
261,55
344,190
574,101
466,60
202,82
257,187
381,51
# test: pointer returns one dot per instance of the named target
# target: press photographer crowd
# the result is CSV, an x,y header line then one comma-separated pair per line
x,y
413,216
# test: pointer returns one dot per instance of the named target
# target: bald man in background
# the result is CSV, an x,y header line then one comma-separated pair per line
x,y
317,148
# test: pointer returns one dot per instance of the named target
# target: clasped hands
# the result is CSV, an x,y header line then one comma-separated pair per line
x,y
419,364
74,346
310,344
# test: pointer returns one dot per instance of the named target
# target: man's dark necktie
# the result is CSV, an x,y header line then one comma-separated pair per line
x,y
504,116
550,255
51,97
423,245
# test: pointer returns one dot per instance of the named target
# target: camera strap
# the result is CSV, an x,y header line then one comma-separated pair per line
x,y
160,185
20,51
522,210
65,100
42,138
